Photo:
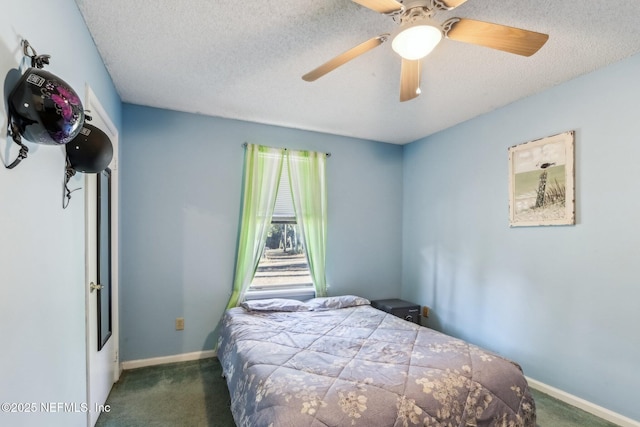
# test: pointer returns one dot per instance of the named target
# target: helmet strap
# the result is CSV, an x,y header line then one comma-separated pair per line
x,y
69,172
24,150
37,61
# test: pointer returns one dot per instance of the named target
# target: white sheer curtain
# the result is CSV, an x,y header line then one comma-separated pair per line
x,y
308,188
262,169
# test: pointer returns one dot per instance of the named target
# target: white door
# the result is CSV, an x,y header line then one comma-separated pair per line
x,y
102,342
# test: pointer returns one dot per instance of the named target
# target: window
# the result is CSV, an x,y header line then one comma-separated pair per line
x,y
263,185
283,269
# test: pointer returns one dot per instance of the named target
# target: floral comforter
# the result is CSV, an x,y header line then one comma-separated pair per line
x,y
359,366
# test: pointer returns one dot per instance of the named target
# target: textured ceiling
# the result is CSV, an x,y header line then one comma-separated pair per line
x,y
244,60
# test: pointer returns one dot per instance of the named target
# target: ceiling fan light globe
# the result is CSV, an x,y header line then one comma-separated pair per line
x,y
416,42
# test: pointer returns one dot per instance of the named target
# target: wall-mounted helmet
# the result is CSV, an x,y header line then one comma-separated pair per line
x,y
90,151
45,109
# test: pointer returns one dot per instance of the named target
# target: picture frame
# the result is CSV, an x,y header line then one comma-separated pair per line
x,y
542,182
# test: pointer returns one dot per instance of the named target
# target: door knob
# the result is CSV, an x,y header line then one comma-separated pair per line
x,y
93,286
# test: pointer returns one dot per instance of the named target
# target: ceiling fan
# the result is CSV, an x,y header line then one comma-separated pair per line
x,y
419,34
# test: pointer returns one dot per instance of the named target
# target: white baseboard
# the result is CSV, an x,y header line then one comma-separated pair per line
x,y
586,406
185,357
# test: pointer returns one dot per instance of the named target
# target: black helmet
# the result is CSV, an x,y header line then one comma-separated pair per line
x,y
91,151
45,109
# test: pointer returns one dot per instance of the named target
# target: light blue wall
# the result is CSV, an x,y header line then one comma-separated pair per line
x,y
562,301
42,299
181,181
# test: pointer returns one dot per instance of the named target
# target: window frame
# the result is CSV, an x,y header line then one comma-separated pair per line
x,y
283,214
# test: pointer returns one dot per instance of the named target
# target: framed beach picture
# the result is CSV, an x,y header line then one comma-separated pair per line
x,y
541,182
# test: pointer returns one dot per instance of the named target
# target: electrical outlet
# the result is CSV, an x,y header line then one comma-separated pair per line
x,y
425,311
179,323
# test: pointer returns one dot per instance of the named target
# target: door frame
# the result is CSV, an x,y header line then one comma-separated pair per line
x,y
96,110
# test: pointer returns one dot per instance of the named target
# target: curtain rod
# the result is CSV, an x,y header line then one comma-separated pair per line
x,y
244,145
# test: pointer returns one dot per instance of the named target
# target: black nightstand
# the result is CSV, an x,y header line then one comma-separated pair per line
x,y
403,309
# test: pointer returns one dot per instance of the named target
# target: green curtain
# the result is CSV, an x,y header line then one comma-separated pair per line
x,y
307,180
262,169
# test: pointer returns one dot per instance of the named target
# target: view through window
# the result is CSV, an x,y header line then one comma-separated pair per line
x,y
283,264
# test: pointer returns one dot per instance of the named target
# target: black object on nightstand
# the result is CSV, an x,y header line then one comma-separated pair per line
x,y
400,308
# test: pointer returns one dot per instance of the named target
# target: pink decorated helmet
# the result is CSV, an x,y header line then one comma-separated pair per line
x,y
45,109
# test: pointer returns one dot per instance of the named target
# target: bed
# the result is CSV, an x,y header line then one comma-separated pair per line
x,y
337,361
